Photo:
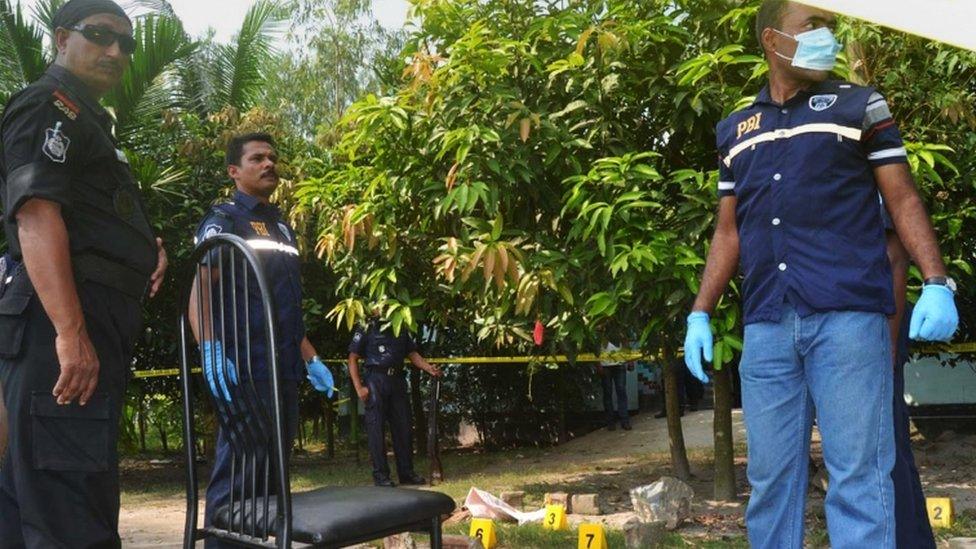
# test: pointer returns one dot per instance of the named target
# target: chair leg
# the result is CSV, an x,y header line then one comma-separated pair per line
x,y
435,533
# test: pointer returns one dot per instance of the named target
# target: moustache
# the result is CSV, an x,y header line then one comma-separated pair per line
x,y
111,65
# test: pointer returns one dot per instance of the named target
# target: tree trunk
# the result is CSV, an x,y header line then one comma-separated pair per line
x,y
676,437
724,447
142,423
417,403
162,437
563,427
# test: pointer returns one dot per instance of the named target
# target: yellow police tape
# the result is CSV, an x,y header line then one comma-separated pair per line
x,y
625,356
609,357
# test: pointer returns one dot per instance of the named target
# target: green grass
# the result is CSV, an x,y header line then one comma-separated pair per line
x,y
963,527
533,536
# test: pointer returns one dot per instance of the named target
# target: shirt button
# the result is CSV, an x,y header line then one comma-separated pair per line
x,y
777,177
785,111
782,266
776,222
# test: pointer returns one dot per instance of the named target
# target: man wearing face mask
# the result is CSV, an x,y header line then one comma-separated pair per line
x,y
84,257
799,175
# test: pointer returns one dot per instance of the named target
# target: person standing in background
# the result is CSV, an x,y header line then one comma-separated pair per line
x,y
382,386
613,379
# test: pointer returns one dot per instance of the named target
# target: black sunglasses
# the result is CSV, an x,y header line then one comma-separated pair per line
x,y
105,38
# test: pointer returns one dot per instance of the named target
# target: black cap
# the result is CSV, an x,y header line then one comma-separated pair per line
x,y
74,11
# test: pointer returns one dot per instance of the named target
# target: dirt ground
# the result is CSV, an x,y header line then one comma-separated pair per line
x,y
606,462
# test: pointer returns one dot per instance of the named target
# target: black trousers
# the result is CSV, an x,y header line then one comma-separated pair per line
x,y
218,491
388,402
614,380
59,481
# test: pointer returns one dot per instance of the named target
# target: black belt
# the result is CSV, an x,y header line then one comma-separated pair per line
x,y
388,370
109,273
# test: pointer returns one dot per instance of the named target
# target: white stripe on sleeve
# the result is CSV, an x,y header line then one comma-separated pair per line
x,y
888,153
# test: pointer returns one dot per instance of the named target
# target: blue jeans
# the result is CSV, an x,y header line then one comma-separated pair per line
x,y
836,366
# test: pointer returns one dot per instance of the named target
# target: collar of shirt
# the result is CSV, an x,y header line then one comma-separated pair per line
x,y
255,205
764,98
78,88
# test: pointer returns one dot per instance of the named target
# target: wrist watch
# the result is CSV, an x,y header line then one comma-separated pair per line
x,y
942,281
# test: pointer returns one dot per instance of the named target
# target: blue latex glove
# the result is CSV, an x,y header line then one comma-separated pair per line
x,y
321,377
935,317
698,340
213,353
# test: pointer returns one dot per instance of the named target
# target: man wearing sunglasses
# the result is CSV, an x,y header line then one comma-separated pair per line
x,y
70,314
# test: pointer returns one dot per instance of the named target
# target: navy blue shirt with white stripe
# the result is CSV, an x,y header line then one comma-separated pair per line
x,y
810,229
269,236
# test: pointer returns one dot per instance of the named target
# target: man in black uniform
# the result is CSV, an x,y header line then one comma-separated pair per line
x,y
384,390
85,256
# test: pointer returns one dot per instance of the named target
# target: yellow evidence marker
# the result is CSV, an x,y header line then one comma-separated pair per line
x,y
592,536
940,512
483,530
555,518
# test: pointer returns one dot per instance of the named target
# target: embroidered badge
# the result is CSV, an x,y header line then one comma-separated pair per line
x,y
56,144
65,105
211,231
382,349
751,124
260,228
823,102
358,336
285,231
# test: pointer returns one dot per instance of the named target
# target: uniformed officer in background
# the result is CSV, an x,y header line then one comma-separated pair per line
x,y
383,388
251,160
84,256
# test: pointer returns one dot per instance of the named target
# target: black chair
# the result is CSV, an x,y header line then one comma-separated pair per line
x,y
228,278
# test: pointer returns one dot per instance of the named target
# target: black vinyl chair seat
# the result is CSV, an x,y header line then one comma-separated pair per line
x,y
338,516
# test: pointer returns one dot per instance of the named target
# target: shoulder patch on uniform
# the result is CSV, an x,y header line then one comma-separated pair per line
x,y
285,231
212,230
56,144
65,105
823,102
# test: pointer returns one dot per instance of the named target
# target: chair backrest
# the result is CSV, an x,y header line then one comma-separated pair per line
x,y
231,309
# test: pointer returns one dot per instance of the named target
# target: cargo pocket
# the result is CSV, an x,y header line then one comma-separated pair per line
x,y
13,323
71,437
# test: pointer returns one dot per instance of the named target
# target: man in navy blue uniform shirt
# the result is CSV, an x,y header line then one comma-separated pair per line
x,y
383,388
800,171
251,161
